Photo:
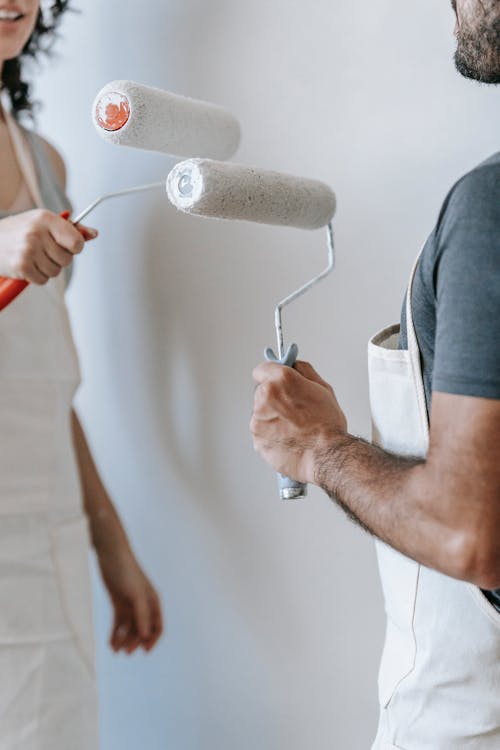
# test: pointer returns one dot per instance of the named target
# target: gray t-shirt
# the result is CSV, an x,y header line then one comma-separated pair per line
x,y
456,293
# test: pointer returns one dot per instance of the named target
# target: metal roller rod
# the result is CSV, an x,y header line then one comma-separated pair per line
x,y
117,194
303,289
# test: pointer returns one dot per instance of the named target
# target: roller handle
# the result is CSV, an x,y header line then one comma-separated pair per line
x,y
289,489
11,288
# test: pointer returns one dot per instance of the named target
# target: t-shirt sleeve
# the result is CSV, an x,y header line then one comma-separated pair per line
x,y
467,287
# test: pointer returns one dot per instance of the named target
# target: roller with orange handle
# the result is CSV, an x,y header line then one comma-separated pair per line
x,y
131,114
11,288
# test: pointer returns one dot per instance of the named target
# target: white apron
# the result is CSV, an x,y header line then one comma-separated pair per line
x,y
47,681
439,681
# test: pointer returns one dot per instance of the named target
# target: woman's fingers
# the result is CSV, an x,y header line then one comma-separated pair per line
x,y
132,642
138,623
34,275
126,638
56,256
39,244
56,253
156,623
126,635
122,627
88,233
65,234
148,620
47,266
117,636
142,616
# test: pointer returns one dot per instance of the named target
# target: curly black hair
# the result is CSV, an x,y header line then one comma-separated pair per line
x,y
41,40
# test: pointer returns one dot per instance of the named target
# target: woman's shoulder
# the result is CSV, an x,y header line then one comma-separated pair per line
x,y
55,159
49,153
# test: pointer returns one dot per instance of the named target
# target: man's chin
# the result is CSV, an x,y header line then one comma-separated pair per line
x,y
475,71
475,63
478,47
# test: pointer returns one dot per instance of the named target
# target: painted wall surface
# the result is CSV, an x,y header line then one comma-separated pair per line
x,y
275,617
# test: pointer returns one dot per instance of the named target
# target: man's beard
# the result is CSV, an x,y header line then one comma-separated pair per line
x,y
478,51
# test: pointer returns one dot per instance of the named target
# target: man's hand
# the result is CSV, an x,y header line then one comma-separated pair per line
x,y
296,416
442,511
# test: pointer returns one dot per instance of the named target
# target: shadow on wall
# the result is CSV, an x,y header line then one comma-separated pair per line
x,y
197,299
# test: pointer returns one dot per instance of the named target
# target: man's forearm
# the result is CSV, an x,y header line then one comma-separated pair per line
x,y
393,497
443,511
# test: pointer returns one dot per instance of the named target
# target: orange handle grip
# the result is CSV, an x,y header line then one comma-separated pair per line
x,y
10,288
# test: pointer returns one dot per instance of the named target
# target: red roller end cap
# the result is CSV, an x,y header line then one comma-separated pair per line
x,y
112,111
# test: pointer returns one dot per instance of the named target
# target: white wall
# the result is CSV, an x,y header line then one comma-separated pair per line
x,y
274,613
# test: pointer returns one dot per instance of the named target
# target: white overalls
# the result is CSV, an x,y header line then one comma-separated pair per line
x,y
439,681
47,681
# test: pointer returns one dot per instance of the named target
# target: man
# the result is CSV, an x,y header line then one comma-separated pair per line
x,y
429,486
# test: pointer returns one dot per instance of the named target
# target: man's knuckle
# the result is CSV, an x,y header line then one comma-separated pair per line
x,y
286,375
268,391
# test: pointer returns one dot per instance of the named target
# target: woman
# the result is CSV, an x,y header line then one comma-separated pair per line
x,y
51,496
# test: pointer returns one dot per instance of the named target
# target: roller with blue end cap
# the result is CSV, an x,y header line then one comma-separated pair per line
x,y
235,192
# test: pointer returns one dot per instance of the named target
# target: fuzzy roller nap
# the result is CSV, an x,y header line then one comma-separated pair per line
x,y
130,114
232,191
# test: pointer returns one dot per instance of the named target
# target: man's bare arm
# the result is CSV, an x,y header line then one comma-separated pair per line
x,y
443,511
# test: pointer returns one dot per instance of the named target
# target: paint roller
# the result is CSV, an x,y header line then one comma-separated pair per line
x,y
213,189
11,288
131,114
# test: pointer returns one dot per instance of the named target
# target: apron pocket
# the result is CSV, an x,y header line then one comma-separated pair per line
x,y
70,547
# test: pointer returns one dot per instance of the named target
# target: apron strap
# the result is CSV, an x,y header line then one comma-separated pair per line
x,y
27,167
24,159
414,350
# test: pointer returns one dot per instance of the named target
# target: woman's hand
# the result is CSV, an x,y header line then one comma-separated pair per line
x,y
36,245
137,607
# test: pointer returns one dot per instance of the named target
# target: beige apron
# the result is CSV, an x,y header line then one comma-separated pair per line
x,y
47,681
439,681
